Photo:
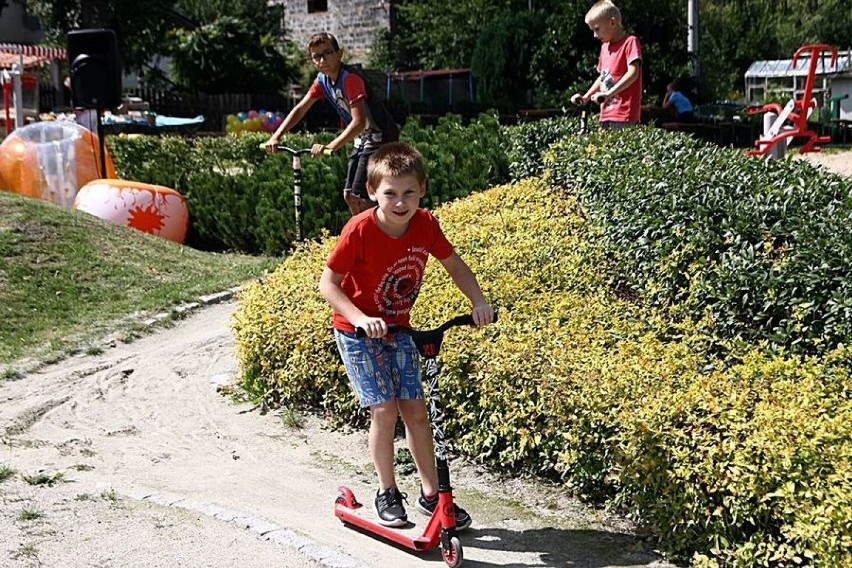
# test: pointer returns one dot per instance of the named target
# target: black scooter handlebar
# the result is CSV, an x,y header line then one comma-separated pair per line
x,y
296,151
465,319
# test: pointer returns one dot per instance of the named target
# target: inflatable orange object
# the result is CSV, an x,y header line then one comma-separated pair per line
x,y
51,161
150,208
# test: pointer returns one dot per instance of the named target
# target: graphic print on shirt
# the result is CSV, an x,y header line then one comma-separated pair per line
x,y
607,83
400,284
341,101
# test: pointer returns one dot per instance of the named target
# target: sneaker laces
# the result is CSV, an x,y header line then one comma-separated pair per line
x,y
391,497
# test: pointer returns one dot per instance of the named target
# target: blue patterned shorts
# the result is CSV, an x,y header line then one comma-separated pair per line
x,y
380,370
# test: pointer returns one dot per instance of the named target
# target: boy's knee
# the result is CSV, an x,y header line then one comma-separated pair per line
x,y
385,412
413,413
355,203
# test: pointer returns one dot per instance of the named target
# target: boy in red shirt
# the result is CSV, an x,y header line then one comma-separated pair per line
x,y
372,279
618,88
363,118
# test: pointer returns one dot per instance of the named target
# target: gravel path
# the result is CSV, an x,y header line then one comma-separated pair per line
x,y
838,162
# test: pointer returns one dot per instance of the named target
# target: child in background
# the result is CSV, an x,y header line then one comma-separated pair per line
x,y
372,279
618,88
684,111
363,117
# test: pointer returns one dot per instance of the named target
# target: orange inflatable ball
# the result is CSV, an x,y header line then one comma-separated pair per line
x,y
150,208
51,161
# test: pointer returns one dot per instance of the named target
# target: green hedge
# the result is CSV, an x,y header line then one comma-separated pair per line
x,y
526,143
760,251
240,198
727,465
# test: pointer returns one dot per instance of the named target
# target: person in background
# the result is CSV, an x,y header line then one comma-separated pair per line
x,y
674,98
618,88
364,119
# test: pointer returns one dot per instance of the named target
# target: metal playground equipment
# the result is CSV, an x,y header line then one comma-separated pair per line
x,y
783,125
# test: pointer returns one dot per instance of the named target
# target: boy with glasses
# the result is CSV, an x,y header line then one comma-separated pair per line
x,y
363,118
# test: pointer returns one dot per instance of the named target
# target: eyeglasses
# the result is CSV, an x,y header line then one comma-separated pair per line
x,y
317,57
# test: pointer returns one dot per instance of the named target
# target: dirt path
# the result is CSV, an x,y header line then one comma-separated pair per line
x,y
838,162
152,467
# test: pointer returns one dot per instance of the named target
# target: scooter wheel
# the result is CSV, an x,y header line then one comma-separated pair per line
x,y
453,554
347,498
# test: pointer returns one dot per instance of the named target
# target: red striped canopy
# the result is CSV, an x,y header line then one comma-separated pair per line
x,y
31,55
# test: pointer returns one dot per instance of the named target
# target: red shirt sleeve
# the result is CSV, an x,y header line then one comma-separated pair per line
x,y
345,251
316,91
355,88
441,247
633,50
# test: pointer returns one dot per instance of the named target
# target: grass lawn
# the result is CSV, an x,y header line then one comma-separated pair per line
x,y
67,278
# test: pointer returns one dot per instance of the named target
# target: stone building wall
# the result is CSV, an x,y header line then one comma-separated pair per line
x,y
353,22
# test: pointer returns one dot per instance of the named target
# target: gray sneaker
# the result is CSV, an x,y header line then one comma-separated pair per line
x,y
427,507
389,508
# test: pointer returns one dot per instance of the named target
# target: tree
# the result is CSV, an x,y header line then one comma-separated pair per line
x,y
140,32
502,58
215,45
228,56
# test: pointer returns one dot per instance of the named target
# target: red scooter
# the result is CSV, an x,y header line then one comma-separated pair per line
x,y
441,527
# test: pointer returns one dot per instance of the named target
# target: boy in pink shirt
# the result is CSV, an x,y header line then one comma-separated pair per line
x,y
618,88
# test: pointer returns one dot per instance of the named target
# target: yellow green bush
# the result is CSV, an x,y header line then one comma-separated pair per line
x,y
740,464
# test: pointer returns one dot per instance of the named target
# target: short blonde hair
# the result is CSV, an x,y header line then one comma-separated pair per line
x,y
603,10
395,159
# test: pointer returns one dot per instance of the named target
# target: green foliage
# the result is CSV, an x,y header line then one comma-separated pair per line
x,y
6,472
140,32
757,251
728,465
459,159
240,198
230,55
501,59
526,143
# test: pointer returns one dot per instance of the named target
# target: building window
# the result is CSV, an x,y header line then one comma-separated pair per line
x,y
317,6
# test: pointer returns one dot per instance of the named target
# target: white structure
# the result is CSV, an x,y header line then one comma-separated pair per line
x,y
779,80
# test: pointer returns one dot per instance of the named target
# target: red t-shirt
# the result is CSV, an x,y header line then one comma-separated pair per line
x,y
343,94
614,58
382,274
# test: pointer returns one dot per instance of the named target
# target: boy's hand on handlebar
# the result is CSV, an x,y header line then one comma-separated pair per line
x,y
318,150
482,314
373,327
271,145
578,99
600,97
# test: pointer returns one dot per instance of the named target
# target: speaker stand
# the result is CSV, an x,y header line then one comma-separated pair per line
x,y
101,145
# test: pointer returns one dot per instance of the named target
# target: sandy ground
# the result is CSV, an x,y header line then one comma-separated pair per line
x,y
133,458
143,463
838,162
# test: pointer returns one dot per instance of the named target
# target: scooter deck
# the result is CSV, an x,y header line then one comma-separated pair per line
x,y
365,517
